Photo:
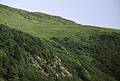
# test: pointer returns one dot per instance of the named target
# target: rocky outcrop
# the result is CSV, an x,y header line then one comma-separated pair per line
x,y
37,62
56,67
59,69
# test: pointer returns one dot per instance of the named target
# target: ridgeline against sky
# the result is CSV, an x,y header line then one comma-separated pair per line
x,y
93,12
41,47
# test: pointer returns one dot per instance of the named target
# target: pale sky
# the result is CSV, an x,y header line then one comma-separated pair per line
x,y
105,13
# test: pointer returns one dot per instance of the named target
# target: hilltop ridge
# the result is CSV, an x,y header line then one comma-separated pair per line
x,y
40,47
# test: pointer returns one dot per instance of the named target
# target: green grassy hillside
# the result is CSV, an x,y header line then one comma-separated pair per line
x,y
39,24
40,47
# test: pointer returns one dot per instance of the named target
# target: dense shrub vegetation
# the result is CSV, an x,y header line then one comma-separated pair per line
x,y
15,47
41,47
104,47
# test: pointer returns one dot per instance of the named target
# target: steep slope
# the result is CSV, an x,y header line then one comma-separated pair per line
x,y
34,18
55,49
45,26
27,58
104,47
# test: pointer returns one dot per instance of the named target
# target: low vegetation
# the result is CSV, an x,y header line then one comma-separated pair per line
x,y
40,47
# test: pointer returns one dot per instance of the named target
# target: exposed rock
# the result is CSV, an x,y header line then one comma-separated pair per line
x,y
38,65
41,60
64,71
60,70
56,66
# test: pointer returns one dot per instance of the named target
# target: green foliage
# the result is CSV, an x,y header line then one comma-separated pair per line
x,y
107,51
14,58
88,53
